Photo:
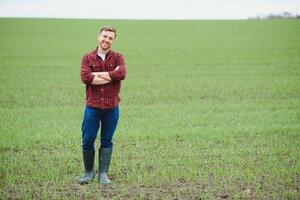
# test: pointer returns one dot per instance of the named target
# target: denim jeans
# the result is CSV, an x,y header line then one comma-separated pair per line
x,y
93,119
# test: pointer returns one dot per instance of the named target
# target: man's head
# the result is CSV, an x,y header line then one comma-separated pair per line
x,y
106,37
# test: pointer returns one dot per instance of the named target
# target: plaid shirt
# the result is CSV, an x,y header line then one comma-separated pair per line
x,y
103,96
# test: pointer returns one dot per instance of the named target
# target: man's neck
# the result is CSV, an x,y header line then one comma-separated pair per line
x,y
102,51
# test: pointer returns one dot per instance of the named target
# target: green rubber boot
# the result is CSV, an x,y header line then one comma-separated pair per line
x,y
104,162
88,160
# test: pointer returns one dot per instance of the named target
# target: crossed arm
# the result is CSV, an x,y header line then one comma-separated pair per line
x,y
101,78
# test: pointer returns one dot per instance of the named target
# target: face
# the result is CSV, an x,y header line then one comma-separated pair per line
x,y
106,39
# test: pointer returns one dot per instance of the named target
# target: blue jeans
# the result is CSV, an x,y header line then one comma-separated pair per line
x,y
93,118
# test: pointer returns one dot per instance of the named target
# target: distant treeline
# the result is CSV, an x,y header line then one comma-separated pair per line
x,y
284,15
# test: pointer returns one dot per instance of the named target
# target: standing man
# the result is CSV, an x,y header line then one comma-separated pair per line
x,y
101,71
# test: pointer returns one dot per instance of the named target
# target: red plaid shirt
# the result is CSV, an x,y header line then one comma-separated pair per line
x,y
103,96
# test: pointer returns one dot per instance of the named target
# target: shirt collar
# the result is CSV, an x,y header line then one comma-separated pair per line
x,y
96,55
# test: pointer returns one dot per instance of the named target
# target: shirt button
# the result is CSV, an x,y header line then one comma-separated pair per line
x,y
101,98
101,90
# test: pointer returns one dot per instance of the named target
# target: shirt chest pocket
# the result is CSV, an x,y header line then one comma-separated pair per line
x,y
95,67
110,65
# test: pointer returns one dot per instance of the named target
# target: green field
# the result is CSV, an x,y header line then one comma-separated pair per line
x,y
210,110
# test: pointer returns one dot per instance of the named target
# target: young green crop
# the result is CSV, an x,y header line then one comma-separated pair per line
x,y
210,109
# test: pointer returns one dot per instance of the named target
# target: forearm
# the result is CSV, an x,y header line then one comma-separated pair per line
x,y
100,81
106,76
103,75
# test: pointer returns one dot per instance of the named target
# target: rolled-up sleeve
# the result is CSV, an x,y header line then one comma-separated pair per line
x,y
120,74
85,71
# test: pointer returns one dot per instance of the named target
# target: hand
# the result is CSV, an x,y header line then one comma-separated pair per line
x,y
117,68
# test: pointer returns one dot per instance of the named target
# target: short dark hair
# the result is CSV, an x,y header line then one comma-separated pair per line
x,y
108,28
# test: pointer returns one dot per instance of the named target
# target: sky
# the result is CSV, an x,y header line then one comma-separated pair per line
x,y
146,9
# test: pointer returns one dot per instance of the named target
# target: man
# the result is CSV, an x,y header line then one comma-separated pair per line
x,y
101,71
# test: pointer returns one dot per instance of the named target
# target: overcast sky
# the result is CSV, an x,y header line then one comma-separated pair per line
x,y
146,9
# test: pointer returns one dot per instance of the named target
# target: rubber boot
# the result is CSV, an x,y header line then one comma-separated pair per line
x,y
104,162
88,160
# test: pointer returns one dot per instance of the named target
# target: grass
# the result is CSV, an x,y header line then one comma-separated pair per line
x,y
210,110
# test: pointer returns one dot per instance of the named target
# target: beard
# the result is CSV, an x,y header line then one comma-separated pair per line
x,y
104,46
